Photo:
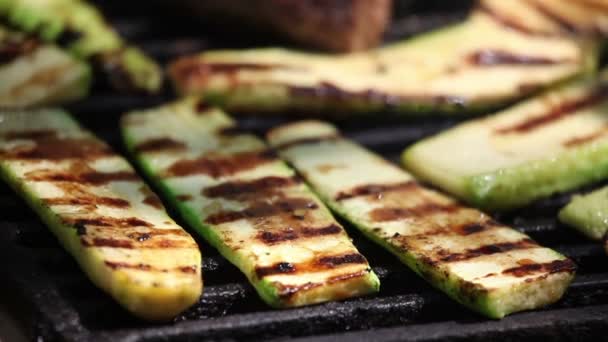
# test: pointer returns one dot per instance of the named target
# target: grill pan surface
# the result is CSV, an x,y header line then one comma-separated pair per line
x,y
57,302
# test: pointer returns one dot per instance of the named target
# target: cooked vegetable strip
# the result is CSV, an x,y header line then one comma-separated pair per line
x,y
102,213
588,214
483,264
477,64
33,73
551,143
79,27
248,204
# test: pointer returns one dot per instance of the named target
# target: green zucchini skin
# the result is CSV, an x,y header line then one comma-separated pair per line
x,y
448,71
548,144
488,267
35,74
588,214
82,30
101,212
248,204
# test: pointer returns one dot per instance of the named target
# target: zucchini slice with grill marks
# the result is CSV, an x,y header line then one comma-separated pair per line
x,y
82,30
477,64
33,73
102,213
248,204
588,214
490,268
552,143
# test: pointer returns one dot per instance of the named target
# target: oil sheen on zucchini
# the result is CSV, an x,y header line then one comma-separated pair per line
x,y
552,143
81,29
490,268
101,212
248,204
478,64
588,214
33,73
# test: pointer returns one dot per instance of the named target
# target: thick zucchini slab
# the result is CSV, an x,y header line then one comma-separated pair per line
x,y
490,268
588,214
34,74
248,204
582,18
552,143
474,65
101,212
79,27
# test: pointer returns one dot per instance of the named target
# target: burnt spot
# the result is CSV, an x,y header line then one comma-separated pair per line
x,y
375,189
188,269
202,107
557,266
278,268
495,248
153,201
489,57
184,198
289,234
105,221
221,165
558,112
263,209
386,214
37,134
308,141
160,145
246,189
141,237
475,227
90,200
81,229
337,260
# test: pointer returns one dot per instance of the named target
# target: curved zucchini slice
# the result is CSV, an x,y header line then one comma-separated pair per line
x,y
82,30
552,143
36,74
490,268
248,204
101,212
588,214
472,66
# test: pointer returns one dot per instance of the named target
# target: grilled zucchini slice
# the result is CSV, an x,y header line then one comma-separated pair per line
x,y
80,28
588,214
35,74
101,212
490,268
472,66
552,143
248,204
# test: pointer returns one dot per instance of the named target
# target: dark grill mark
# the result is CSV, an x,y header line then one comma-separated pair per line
x,y
586,138
258,210
139,243
502,57
37,134
88,201
273,237
556,266
320,264
160,145
11,49
86,177
558,112
184,198
105,221
375,189
488,250
475,227
393,214
153,201
146,267
246,189
308,141
222,165
49,146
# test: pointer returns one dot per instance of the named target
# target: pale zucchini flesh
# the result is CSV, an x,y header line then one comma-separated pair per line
x,y
248,204
33,73
101,212
477,64
82,30
491,268
552,143
588,214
